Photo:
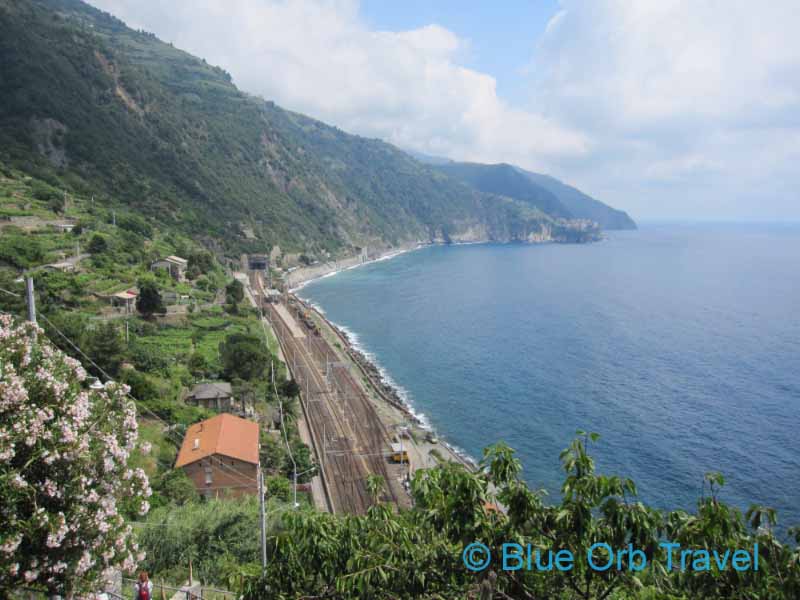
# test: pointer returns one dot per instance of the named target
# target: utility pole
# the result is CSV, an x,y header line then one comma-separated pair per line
x,y
263,522
114,218
31,300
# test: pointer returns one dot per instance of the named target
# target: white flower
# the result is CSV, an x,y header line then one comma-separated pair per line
x,y
11,544
31,575
80,444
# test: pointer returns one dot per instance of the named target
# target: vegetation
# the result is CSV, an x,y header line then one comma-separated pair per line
x,y
234,294
213,535
157,356
65,476
140,124
539,191
418,553
149,300
505,180
243,356
150,152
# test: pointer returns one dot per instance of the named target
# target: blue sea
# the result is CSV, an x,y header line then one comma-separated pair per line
x,y
678,343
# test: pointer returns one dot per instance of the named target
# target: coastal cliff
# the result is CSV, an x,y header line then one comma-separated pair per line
x,y
572,231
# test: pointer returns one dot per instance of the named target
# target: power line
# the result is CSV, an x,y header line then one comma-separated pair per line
x,y
232,469
138,402
167,431
11,293
108,377
280,404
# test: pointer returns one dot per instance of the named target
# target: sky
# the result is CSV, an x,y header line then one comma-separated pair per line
x,y
669,109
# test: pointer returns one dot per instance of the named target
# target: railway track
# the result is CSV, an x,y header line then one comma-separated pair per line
x,y
350,439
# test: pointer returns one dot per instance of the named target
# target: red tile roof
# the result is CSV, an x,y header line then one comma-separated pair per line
x,y
225,435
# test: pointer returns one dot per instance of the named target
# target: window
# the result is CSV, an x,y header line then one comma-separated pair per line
x,y
209,476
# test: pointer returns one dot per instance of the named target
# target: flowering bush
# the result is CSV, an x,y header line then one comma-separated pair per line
x,y
64,475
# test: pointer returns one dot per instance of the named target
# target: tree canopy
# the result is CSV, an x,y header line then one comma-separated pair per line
x,y
243,356
418,553
149,300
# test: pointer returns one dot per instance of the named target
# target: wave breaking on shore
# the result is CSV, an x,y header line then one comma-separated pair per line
x,y
401,397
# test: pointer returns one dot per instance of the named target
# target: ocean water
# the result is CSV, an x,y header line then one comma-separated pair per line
x,y
679,344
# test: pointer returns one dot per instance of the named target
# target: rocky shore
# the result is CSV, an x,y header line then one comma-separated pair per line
x,y
398,409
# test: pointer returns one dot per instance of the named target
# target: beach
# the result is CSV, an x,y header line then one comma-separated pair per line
x,y
301,276
425,447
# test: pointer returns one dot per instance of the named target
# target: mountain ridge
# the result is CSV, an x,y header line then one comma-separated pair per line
x,y
94,106
572,201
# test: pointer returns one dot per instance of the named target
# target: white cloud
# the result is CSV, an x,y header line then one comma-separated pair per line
x,y
317,57
701,94
664,108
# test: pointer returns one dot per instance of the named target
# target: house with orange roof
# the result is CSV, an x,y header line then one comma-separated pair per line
x,y
220,456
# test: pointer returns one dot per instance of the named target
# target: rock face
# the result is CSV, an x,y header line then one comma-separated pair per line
x,y
49,139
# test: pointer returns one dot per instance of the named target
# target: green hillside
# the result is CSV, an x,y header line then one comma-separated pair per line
x,y
543,191
505,180
92,106
582,205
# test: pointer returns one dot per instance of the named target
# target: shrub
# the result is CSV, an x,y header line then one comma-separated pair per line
x,y
64,474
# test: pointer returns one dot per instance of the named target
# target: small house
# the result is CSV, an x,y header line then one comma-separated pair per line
x,y
221,456
174,265
125,301
213,395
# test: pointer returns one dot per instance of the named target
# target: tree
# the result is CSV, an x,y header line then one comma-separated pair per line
x,y
278,487
15,301
234,294
203,262
64,470
176,487
290,389
56,204
418,552
142,387
106,347
97,245
376,485
149,300
243,356
198,365
306,469
272,453
213,534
